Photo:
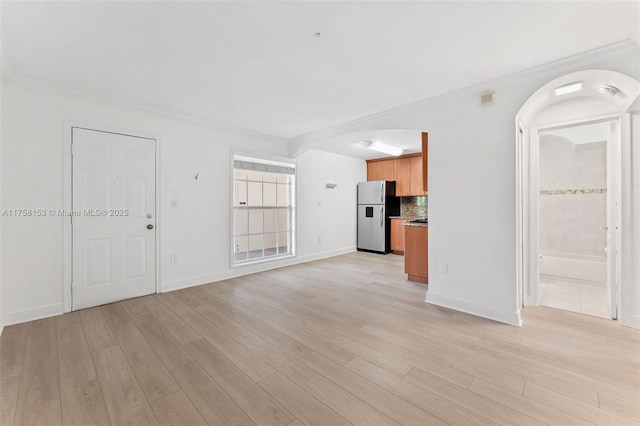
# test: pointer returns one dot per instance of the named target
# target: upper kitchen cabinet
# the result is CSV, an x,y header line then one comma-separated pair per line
x,y
403,176
409,176
425,162
384,169
409,171
374,170
416,176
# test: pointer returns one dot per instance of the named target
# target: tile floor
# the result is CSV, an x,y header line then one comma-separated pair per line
x,y
576,296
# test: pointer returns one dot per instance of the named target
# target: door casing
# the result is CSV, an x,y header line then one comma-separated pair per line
x,y
527,220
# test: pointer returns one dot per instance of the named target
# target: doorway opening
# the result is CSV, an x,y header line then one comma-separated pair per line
x,y
577,203
555,245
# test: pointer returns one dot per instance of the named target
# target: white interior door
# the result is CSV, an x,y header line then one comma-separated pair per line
x,y
113,226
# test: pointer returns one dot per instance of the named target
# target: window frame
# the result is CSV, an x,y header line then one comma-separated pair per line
x,y
292,207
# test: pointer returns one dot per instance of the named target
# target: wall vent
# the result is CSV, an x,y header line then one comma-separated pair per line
x,y
487,98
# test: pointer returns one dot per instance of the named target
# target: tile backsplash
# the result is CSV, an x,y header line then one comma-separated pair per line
x,y
414,206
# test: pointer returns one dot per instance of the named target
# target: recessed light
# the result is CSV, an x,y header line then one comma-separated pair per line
x,y
569,88
381,147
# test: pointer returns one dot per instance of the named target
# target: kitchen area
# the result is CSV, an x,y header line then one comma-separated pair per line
x,y
393,210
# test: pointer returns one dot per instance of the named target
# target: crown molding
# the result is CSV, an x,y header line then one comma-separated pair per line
x,y
299,144
32,83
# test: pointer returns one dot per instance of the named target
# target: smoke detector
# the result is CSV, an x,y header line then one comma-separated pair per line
x,y
611,90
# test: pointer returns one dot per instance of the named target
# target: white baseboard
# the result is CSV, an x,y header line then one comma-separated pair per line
x,y
31,314
250,269
507,317
633,321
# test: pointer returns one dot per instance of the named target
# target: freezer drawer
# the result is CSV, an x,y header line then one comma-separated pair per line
x,y
372,228
375,192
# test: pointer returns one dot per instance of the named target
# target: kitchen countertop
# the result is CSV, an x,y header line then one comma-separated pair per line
x,y
414,224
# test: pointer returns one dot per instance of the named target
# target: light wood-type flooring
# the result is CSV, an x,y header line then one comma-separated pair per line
x,y
340,341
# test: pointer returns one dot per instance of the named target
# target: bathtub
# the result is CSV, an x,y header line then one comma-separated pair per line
x,y
591,269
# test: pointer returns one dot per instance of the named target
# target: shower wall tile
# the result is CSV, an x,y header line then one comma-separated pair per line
x,y
571,224
572,197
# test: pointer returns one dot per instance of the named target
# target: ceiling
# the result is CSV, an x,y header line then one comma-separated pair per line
x,y
259,66
582,134
349,143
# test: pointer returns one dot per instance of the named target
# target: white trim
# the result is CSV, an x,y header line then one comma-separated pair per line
x,y
293,204
67,191
633,321
67,231
534,216
32,314
507,317
251,155
626,285
527,197
302,143
31,83
252,269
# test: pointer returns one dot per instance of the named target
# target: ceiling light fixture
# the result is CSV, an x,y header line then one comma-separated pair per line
x,y
569,88
381,147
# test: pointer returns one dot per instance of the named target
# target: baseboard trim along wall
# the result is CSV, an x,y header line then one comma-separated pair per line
x,y
511,318
31,314
634,321
250,269
57,309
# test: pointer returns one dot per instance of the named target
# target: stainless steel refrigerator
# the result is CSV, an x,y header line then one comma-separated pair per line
x,y
376,203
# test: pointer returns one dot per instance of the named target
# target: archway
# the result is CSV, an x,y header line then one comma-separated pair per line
x,y
589,96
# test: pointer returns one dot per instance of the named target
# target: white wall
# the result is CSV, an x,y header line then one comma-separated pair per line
x,y
329,215
472,183
197,230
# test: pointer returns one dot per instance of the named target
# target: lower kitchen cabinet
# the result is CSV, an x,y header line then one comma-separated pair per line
x,y
416,253
397,235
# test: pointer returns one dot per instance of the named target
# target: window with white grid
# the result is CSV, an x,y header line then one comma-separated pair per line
x,y
263,209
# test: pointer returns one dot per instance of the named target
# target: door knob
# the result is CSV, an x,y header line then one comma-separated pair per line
x,y
149,226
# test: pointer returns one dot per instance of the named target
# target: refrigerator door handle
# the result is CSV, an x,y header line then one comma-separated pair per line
x,y
381,216
382,192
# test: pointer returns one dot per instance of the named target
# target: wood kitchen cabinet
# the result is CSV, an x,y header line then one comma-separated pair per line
x,y
416,253
397,235
408,171
374,170
415,176
381,170
403,176
409,176
425,162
